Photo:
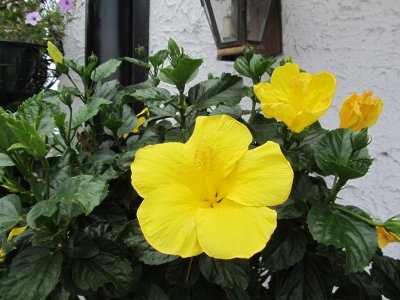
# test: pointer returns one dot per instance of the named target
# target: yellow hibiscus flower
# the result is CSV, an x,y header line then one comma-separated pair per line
x,y
385,237
296,98
210,194
358,112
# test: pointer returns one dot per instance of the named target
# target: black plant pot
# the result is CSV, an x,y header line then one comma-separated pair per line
x,y
24,71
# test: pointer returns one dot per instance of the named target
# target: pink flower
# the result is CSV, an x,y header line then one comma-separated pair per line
x,y
66,5
33,18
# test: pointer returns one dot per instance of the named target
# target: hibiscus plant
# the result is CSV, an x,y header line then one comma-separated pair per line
x,y
171,189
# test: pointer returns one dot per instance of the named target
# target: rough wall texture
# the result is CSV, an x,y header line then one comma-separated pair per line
x,y
358,41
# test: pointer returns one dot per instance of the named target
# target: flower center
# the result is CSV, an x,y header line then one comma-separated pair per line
x,y
215,199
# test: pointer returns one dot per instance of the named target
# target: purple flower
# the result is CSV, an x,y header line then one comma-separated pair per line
x,y
32,18
66,5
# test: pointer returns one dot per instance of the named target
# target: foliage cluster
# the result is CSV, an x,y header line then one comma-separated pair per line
x,y
66,175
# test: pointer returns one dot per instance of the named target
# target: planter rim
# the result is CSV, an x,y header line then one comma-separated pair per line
x,y
19,43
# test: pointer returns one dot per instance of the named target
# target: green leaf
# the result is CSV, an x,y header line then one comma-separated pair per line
x,y
386,274
152,95
357,286
105,70
335,155
150,292
129,120
158,58
5,160
286,247
226,90
85,190
310,279
303,191
92,273
173,48
25,136
336,228
83,247
232,111
177,135
40,212
133,238
33,274
232,273
183,73
242,66
86,112
265,130
10,212
137,62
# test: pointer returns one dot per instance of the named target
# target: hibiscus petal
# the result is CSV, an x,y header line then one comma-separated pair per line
x,y
263,177
218,143
160,165
167,219
281,79
230,230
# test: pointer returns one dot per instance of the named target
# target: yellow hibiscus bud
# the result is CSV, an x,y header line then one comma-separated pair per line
x,y
54,53
358,112
2,255
296,98
385,237
15,232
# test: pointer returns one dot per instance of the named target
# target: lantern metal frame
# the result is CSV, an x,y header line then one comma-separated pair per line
x,y
271,41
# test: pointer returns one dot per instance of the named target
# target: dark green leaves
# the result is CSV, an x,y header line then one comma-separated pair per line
x,y
94,272
386,274
133,238
335,155
105,70
182,73
19,134
310,279
33,274
226,90
286,247
10,212
152,95
339,229
232,273
87,111
85,190
253,66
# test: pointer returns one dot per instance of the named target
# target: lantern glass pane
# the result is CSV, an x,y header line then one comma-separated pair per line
x,y
257,15
226,13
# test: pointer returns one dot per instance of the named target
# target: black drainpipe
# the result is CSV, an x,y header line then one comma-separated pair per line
x,y
114,29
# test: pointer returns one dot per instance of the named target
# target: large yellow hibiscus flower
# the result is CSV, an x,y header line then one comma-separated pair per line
x,y
210,194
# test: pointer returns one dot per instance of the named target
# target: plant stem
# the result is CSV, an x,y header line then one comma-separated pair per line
x,y
366,220
27,173
338,183
46,167
80,94
69,126
182,109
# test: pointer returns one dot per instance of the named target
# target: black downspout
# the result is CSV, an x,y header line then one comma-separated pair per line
x,y
114,28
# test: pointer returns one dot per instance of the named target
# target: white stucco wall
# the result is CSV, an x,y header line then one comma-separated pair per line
x,y
358,41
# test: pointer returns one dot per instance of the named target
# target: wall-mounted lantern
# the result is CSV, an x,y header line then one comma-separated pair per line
x,y
236,24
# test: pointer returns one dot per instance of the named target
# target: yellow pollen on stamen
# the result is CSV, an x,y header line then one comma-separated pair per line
x,y
202,158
